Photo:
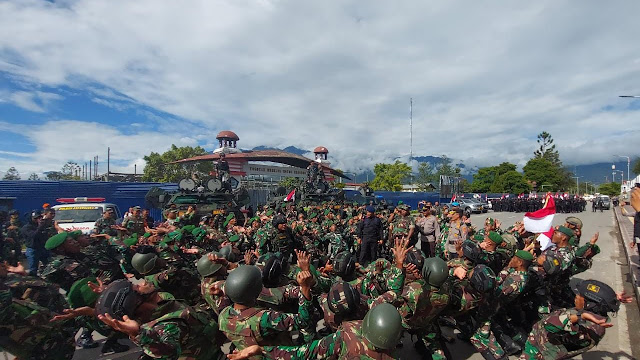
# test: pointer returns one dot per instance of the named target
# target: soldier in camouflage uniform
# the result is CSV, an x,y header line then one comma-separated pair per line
x,y
375,337
335,241
11,239
134,223
565,333
175,331
510,283
403,226
105,224
26,306
246,325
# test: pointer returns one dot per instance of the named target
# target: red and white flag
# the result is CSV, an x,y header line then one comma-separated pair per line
x,y
540,221
291,196
453,198
545,239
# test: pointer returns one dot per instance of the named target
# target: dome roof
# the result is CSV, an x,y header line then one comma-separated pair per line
x,y
226,134
321,150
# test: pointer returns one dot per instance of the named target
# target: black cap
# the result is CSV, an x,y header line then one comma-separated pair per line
x,y
118,299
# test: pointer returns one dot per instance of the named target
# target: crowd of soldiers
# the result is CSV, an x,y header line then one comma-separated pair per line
x,y
305,281
569,204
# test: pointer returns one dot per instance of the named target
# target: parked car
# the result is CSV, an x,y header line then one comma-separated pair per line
x,y
471,206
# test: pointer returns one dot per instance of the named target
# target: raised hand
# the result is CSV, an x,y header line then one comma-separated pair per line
x,y
97,288
624,298
126,325
248,257
460,272
303,260
400,250
594,238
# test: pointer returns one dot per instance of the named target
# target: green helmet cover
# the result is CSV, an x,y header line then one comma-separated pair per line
x,y
244,284
207,267
382,326
435,271
144,263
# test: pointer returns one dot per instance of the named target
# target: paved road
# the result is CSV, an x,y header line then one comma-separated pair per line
x,y
609,266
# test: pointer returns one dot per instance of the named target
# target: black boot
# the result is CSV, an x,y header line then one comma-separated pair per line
x,y
85,340
113,346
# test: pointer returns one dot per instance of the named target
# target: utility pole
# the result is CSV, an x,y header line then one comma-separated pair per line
x,y
577,186
108,162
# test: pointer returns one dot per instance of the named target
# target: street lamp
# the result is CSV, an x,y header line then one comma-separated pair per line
x,y
628,164
577,184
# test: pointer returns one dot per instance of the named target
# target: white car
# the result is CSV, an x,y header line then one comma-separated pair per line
x,y
589,197
81,213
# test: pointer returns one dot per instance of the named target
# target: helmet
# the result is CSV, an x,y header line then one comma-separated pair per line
x,y
278,219
144,263
600,297
343,299
13,212
271,266
36,214
471,250
227,253
483,278
118,299
344,264
244,284
552,264
435,271
382,326
415,257
207,267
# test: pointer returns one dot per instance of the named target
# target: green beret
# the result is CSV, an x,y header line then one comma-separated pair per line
x,y
565,230
188,228
234,238
228,219
495,237
197,231
74,234
478,237
255,218
313,215
400,202
524,255
574,221
146,235
269,212
80,294
174,236
283,205
132,240
56,240
326,212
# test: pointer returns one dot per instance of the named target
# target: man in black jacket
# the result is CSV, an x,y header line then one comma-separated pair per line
x,y
369,232
635,203
35,234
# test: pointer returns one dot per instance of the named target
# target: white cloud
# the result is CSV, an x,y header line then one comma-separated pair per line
x,y
36,101
57,142
485,78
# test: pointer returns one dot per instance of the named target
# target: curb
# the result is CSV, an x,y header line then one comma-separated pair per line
x,y
626,231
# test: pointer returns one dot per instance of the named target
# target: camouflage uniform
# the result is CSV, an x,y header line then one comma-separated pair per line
x,y
65,270
347,343
336,242
134,225
179,332
215,302
402,225
260,326
27,332
422,303
554,335
103,226
11,242
510,284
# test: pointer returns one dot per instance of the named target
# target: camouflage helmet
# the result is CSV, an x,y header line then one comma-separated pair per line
x,y
600,297
244,284
435,271
227,253
343,299
344,264
382,326
144,263
271,267
415,257
207,267
483,279
552,264
118,299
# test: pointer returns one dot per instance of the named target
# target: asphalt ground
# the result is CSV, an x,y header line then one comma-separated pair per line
x,y
610,266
